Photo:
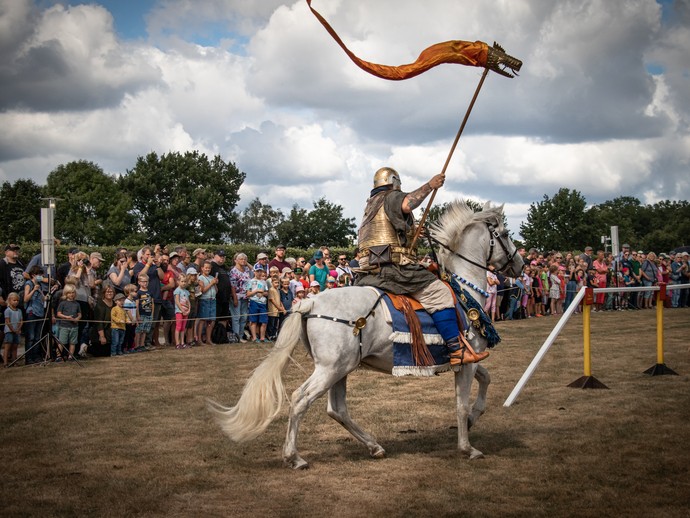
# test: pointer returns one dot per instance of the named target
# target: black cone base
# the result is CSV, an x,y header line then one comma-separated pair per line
x,y
659,370
587,382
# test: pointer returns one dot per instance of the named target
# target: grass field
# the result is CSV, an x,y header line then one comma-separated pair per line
x,y
130,436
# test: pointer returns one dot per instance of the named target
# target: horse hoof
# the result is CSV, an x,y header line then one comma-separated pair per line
x,y
297,463
476,454
378,453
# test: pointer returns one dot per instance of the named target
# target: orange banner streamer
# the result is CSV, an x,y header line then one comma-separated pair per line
x,y
457,52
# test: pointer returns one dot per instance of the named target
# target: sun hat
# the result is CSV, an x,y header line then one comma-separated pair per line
x,y
192,271
96,255
198,251
261,256
287,269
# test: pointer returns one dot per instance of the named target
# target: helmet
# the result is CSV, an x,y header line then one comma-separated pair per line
x,y
387,176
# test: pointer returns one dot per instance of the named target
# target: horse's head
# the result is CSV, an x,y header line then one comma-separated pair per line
x,y
479,238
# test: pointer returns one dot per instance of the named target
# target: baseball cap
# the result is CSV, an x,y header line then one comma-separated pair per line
x,y
73,251
298,270
261,256
640,252
287,269
330,279
12,247
314,283
299,288
192,271
318,254
118,296
280,246
174,254
198,251
220,253
258,268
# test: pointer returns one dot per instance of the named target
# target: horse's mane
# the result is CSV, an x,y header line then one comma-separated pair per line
x,y
458,216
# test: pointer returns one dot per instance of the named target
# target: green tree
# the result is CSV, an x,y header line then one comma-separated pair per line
x,y
20,217
256,224
92,209
288,231
625,212
327,226
556,223
183,198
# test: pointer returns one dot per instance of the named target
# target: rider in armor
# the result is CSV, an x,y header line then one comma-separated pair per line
x,y
389,264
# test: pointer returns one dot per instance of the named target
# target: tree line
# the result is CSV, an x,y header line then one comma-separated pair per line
x,y
566,222
172,198
189,198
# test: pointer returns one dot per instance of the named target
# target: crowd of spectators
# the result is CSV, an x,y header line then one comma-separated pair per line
x,y
154,297
549,282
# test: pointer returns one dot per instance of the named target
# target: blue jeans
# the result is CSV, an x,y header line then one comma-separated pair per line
x,y
32,333
117,339
239,316
570,292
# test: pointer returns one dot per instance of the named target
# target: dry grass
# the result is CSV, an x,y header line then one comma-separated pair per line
x,y
131,436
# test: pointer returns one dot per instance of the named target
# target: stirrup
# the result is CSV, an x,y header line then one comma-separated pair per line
x,y
466,355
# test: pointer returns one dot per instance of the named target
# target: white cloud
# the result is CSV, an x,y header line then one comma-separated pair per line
x,y
264,85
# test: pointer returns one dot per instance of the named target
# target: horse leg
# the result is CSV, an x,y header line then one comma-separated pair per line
x,y
337,409
316,385
463,385
479,407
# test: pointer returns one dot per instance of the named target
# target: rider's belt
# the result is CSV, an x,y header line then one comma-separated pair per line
x,y
385,254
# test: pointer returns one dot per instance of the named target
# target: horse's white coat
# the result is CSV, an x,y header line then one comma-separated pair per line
x,y
337,352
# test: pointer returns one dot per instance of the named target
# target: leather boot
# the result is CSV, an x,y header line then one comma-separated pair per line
x,y
464,354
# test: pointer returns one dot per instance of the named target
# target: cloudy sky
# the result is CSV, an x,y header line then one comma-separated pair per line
x,y
602,104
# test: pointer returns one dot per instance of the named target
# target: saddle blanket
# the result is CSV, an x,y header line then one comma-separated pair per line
x,y
403,360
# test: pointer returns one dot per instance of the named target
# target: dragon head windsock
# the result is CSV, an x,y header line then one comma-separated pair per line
x,y
477,54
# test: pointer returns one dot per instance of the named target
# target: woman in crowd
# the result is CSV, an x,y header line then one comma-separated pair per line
x,y
491,289
34,295
80,274
119,274
100,330
649,272
207,303
240,275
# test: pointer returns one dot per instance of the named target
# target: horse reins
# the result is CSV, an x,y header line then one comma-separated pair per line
x,y
495,235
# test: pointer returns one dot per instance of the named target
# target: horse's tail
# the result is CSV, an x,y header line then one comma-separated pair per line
x,y
262,396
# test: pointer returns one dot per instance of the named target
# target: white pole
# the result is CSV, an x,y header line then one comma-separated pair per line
x,y
544,348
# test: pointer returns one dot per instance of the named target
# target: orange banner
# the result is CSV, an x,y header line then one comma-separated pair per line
x,y
456,51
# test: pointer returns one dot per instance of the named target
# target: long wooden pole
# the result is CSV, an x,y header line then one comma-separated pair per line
x,y
450,154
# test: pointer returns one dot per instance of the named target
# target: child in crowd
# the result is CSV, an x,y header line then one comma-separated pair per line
x,y
208,285
69,315
13,329
286,298
314,289
330,283
194,295
130,307
145,306
300,294
555,289
118,323
257,290
182,309
275,309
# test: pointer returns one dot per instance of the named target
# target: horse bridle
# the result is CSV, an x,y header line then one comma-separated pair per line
x,y
494,235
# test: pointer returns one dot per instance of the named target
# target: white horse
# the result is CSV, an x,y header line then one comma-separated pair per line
x,y
468,242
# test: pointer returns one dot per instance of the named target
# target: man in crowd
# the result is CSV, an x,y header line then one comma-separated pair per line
x,y
279,260
12,274
147,266
224,294
261,263
587,257
199,256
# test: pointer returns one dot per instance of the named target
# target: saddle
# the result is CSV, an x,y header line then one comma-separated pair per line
x,y
408,307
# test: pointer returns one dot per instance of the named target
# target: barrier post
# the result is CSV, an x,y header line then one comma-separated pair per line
x,y
660,368
587,381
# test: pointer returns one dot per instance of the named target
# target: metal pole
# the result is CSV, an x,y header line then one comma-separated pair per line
x,y
450,154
